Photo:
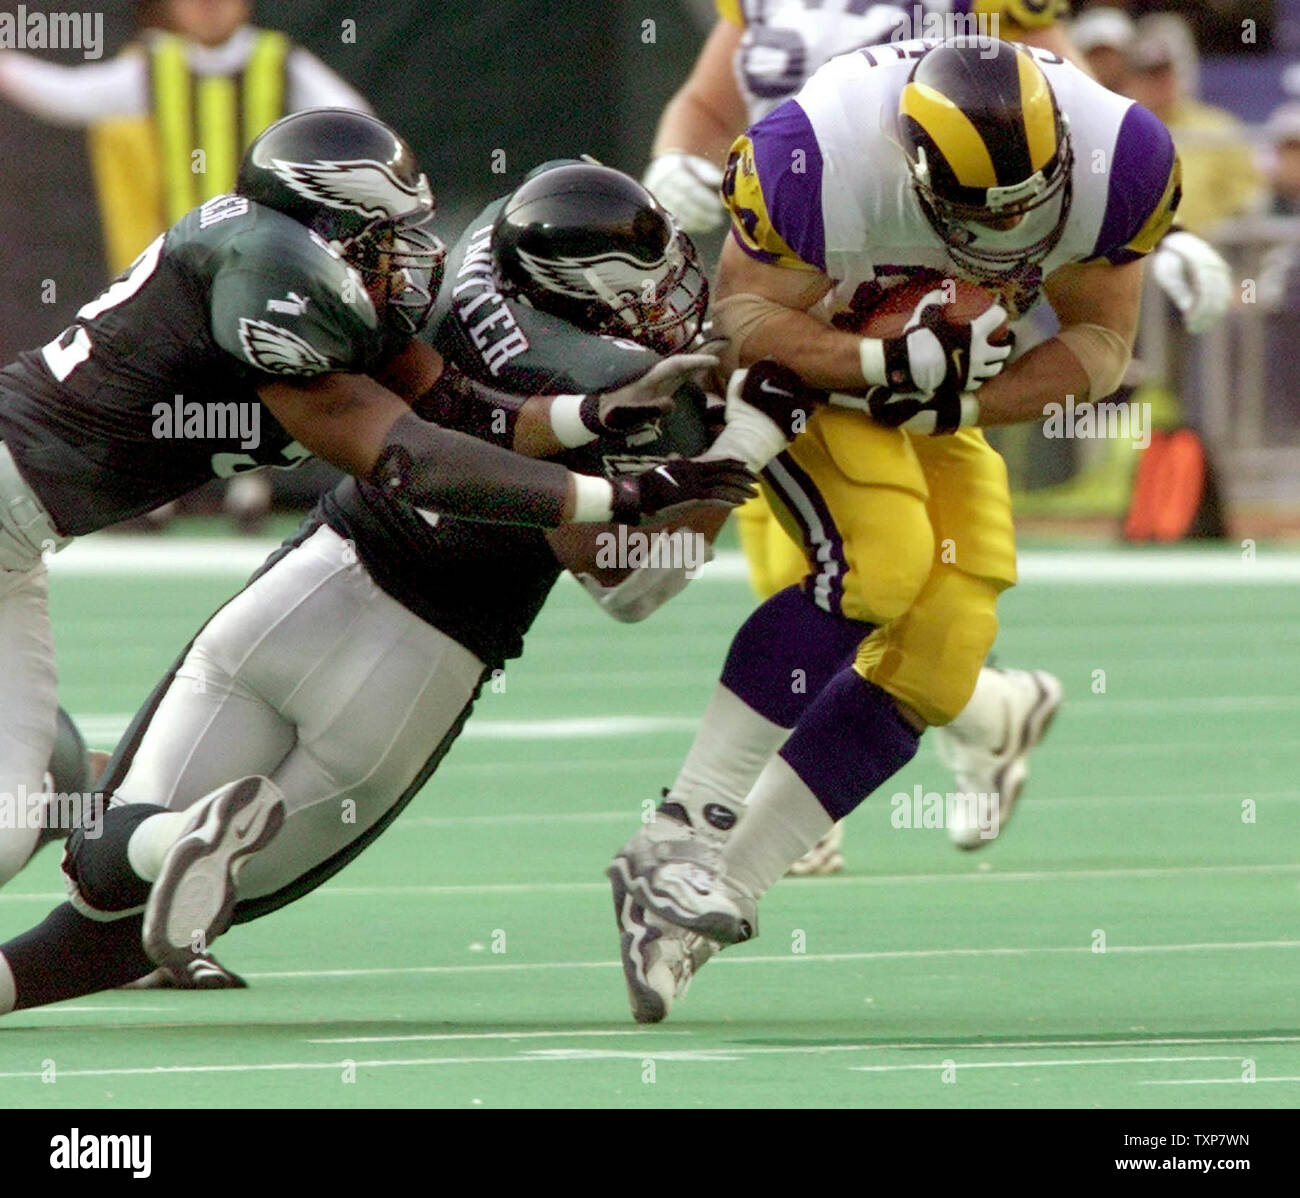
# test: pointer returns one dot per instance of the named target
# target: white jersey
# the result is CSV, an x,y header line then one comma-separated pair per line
x,y
786,41
820,184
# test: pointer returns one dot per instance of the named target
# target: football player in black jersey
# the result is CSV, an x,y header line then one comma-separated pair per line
x,y
316,703
265,326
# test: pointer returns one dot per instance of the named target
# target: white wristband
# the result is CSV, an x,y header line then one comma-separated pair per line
x,y
871,353
593,499
566,421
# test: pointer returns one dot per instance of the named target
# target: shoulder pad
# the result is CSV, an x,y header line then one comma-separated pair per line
x,y
285,302
1144,191
772,188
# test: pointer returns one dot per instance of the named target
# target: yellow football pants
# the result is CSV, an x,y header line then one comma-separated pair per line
x,y
913,535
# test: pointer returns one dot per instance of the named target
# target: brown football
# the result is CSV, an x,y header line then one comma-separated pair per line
x,y
891,312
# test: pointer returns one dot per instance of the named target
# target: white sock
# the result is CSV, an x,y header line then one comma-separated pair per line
x,y
8,993
731,748
151,840
983,720
783,820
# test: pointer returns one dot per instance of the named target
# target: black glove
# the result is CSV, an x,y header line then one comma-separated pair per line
x,y
945,411
666,489
780,394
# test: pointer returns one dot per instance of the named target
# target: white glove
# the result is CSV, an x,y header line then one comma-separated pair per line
x,y
763,402
932,354
1196,278
687,186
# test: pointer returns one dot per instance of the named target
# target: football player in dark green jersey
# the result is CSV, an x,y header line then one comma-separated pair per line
x,y
265,326
335,682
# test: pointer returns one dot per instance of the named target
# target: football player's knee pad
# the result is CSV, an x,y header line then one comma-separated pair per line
x,y
930,657
100,881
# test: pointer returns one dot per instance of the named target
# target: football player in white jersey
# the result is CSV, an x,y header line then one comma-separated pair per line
x,y
906,161
759,54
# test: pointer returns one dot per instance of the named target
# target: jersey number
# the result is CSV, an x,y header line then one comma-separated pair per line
x,y
226,464
72,347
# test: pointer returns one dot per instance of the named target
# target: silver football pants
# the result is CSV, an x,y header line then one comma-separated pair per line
x,y
316,678
28,704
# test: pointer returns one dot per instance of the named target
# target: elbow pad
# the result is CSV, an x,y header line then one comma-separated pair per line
x,y
736,318
1103,354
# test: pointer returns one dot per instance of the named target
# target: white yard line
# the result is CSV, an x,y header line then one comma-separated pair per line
x,y
651,1051
962,1066
236,556
983,876
796,958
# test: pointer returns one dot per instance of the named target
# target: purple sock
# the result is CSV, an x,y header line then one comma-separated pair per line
x,y
786,651
849,741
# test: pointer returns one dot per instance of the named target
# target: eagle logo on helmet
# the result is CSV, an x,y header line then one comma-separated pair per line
x,y
614,274
362,185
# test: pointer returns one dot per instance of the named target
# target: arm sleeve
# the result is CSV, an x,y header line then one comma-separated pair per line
x,y
773,190
456,474
313,85
459,402
74,96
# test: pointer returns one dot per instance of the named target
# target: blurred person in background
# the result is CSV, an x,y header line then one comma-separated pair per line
x,y
1105,36
199,78
1220,179
1279,282
167,121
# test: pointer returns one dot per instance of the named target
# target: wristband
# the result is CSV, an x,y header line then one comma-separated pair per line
x,y
572,417
871,354
593,499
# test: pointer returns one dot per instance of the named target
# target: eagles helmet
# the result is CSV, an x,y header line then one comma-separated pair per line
x,y
590,245
989,154
352,180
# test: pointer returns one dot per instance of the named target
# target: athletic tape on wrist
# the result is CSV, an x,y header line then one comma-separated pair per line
x,y
567,421
593,499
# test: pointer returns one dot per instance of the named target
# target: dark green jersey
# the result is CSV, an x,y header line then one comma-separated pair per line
x,y
153,390
483,584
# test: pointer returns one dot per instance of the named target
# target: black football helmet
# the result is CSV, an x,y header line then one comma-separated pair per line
x,y
351,179
590,245
989,153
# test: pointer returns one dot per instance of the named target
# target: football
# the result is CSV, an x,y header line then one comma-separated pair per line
x,y
964,302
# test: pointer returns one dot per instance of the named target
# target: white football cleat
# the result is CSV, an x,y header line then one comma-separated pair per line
x,y
824,858
193,898
674,871
659,958
997,771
